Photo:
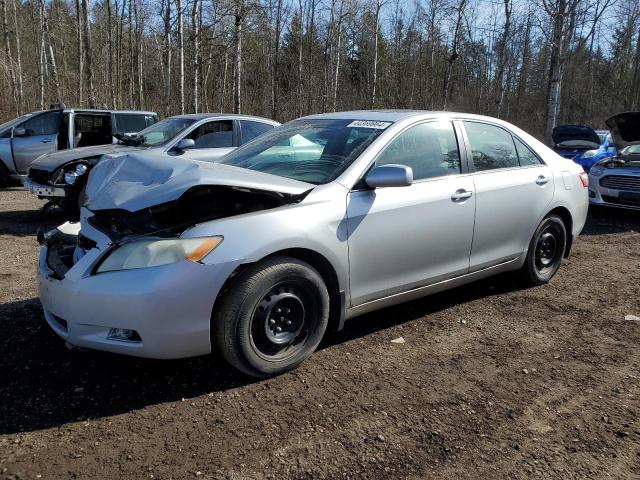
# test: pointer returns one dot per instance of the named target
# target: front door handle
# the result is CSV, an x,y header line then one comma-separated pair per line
x,y
45,141
461,194
542,180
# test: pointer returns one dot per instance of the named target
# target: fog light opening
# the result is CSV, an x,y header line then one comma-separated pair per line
x,y
592,194
123,335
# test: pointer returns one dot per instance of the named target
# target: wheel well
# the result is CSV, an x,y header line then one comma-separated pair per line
x,y
324,268
565,215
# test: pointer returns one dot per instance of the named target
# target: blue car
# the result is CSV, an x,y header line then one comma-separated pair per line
x,y
583,145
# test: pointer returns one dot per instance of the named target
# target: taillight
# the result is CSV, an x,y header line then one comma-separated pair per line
x,y
584,178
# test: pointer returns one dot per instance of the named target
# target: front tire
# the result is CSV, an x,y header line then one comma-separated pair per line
x,y
546,251
272,318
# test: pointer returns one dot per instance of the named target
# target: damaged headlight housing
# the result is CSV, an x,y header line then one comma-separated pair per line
x,y
153,253
589,153
69,174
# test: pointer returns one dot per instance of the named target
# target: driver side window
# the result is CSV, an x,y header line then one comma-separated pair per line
x,y
218,134
430,149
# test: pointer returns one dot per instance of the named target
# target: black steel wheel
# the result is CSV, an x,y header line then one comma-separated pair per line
x,y
546,250
272,318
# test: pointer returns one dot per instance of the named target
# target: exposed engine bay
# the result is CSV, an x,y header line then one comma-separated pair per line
x,y
198,204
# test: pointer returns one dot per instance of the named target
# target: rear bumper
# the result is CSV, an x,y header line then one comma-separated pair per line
x,y
42,190
168,306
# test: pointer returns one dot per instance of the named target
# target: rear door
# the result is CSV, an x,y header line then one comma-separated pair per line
x,y
212,139
406,237
513,190
41,135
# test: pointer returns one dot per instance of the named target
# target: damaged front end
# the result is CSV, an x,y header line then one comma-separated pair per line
x,y
198,204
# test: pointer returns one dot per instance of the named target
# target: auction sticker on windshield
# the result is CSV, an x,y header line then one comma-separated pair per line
x,y
369,124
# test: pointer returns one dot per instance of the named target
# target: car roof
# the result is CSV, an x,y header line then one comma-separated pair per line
x,y
205,116
93,110
397,115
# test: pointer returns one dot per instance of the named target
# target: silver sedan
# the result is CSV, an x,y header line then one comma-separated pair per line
x,y
320,220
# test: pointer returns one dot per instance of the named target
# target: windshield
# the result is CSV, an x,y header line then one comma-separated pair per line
x,y
631,150
313,151
162,132
15,121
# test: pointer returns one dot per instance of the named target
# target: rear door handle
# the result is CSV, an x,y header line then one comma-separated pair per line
x,y
461,194
45,141
542,180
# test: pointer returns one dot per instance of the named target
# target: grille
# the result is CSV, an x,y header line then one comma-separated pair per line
x,y
621,201
39,176
621,182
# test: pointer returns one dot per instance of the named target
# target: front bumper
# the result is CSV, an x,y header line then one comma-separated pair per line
x,y
43,190
610,197
168,306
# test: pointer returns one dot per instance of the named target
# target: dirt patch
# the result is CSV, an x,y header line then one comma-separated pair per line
x,y
493,381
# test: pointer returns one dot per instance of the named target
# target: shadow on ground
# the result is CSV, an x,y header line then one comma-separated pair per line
x,y
28,222
605,220
47,385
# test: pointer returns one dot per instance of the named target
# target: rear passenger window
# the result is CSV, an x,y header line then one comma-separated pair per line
x,y
526,156
251,130
491,146
430,149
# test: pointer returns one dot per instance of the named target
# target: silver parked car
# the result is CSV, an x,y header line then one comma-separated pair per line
x,y
26,138
615,182
61,176
322,219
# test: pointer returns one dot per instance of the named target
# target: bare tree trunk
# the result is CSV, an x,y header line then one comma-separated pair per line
x,y
7,52
338,45
16,32
80,53
110,48
42,64
454,54
180,55
300,40
237,74
166,55
196,18
379,5
139,54
275,61
555,69
52,58
502,57
88,53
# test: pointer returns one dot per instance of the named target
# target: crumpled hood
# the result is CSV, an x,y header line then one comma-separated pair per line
x,y
625,129
564,133
51,161
141,180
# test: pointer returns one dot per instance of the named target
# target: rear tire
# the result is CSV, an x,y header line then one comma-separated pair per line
x,y
546,251
272,318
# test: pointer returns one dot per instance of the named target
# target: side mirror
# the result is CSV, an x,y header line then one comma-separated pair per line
x,y
19,132
390,176
185,144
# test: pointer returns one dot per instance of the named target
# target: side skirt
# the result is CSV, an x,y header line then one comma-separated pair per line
x,y
434,288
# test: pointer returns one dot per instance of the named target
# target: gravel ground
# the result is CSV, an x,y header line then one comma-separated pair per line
x,y
493,381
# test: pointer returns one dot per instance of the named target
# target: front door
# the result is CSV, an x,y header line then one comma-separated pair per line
x,y
40,137
406,237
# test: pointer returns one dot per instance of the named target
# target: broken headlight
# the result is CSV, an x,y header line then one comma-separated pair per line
x,y
153,253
